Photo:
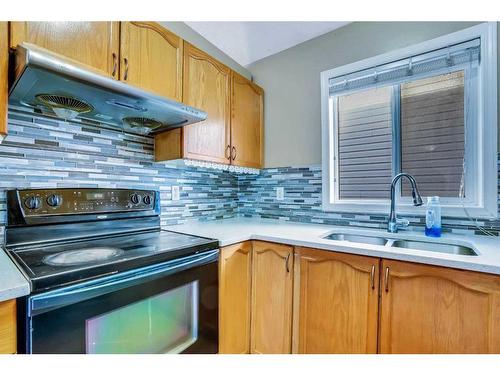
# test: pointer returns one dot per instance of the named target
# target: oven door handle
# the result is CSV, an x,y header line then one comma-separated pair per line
x,y
42,303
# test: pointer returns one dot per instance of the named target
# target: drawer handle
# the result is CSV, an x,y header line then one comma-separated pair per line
x,y
115,64
386,279
125,75
286,263
372,277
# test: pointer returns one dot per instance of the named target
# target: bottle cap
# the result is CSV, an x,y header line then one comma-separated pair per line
x,y
434,199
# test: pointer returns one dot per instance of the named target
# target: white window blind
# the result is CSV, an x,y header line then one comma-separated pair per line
x,y
435,62
433,134
365,144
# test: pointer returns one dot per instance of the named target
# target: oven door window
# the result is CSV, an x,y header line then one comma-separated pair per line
x,y
174,313
164,323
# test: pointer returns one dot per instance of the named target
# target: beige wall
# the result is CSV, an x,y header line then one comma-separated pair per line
x,y
187,33
291,80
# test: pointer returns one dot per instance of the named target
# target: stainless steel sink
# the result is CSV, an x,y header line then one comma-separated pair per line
x,y
434,246
370,240
437,247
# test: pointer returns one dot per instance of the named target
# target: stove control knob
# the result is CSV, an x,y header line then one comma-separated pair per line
x,y
33,203
54,200
135,198
147,199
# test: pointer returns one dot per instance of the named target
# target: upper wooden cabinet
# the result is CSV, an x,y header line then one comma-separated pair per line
x,y
93,43
235,267
335,303
4,74
247,112
427,309
206,86
8,331
272,287
151,58
233,131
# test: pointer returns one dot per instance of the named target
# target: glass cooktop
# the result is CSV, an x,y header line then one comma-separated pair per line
x,y
63,263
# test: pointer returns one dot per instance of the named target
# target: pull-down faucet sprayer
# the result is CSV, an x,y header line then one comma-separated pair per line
x,y
393,224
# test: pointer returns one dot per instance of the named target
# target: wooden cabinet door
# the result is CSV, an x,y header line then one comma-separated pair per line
x,y
335,302
247,118
8,331
206,85
4,75
427,309
92,43
272,284
235,280
151,58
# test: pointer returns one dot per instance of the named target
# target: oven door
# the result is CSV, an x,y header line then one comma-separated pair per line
x,y
166,308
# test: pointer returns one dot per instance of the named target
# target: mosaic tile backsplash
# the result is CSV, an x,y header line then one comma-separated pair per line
x,y
302,203
44,152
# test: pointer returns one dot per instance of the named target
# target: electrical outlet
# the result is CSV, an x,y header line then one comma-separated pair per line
x,y
176,194
280,193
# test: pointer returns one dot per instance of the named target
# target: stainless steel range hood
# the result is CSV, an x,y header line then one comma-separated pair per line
x,y
68,89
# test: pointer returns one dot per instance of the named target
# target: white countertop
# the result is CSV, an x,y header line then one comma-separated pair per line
x,y
12,282
230,231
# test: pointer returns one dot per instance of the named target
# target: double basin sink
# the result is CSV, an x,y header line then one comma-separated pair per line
x,y
438,247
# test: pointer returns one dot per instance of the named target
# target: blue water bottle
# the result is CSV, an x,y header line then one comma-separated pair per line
x,y
433,217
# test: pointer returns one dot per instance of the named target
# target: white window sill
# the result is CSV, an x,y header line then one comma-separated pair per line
x,y
408,209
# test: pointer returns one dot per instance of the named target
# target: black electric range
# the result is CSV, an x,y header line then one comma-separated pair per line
x,y
93,252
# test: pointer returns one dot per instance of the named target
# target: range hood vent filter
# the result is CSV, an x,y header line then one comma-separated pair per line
x,y
142,122
66,107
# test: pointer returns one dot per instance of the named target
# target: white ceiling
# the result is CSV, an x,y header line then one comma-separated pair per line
x,y
247,42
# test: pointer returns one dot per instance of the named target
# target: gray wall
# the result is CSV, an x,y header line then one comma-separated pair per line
x,y
291,80
187,33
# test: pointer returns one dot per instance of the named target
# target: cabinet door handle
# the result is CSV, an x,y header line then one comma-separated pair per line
x,y
386,279
234,155
228,151
115,64
125,75
286,263
372,277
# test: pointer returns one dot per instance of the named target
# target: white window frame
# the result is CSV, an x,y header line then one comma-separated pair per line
x,y
481,148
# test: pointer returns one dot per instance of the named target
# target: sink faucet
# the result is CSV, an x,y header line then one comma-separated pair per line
x,y
393,223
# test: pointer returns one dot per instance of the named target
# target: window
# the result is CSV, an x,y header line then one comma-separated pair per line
x,y
428,110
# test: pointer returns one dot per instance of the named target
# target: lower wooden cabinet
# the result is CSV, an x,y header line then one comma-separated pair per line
x,y
344,303
335,302
272,287
8,329
427,309
235,267
255,298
